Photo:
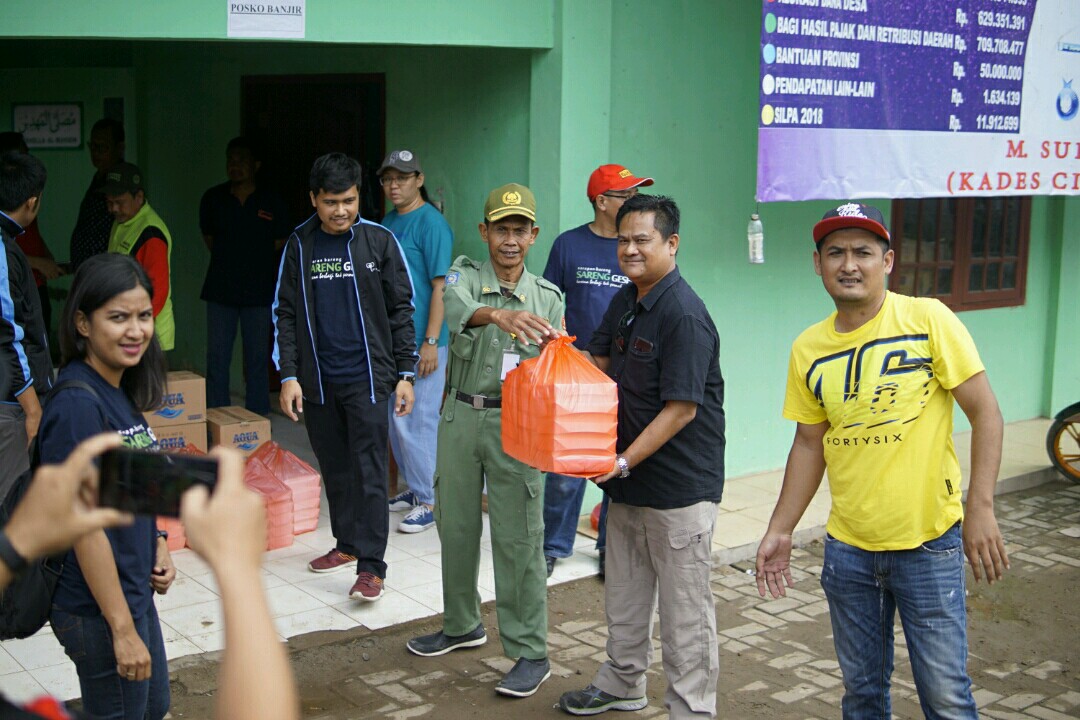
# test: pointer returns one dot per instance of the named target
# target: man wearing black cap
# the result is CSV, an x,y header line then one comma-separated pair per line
x,y
871,388
138,231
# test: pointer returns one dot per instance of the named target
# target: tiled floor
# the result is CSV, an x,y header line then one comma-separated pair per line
x,y
302,602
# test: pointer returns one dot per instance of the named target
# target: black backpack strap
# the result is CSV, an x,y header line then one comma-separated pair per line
x,y
73,384
35,452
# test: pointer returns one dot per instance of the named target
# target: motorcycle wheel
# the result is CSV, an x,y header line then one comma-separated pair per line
x,y
1063,446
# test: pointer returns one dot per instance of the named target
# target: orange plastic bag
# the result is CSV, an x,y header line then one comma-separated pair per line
x,y
560,412
277,499
177,535
302,479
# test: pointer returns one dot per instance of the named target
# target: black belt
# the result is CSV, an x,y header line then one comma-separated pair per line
x,y
479,402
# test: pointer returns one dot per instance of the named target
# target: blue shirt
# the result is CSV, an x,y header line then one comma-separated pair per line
x,y
70,417
585,266
340,342
427,243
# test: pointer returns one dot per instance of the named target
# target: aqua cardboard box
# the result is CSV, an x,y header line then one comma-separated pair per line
x,y
178,437
237,427
185,401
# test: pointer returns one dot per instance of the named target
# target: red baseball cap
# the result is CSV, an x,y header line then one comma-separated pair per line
x,y
613,177
852,215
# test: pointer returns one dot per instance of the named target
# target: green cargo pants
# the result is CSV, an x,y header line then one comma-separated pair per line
x,y
470,450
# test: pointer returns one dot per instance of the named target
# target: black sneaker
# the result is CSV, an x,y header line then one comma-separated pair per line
x,y
524,678
550,564
440,643
593,701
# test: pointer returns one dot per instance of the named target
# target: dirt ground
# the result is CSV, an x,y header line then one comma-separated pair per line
x,y
776,659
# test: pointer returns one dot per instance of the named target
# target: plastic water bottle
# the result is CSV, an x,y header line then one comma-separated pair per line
x,y
755,237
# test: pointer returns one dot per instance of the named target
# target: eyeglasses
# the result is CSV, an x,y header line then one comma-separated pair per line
x,y
621,196
398,180
623,331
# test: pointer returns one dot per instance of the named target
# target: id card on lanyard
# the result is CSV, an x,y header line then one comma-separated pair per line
x,y
510,361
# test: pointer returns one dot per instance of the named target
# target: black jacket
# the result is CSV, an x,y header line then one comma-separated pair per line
x,y
386,309
24,345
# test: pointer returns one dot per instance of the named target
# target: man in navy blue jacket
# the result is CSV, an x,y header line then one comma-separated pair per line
x,y
345,347
24,348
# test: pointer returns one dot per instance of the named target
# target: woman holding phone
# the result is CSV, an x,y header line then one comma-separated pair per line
x,y
103,609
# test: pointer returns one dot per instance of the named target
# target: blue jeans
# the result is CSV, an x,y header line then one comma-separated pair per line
x,y
865,589
105,695
221,321
563,496
414,437
562,508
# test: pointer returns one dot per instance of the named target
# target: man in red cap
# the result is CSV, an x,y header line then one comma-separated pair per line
x,y
585,265
872,388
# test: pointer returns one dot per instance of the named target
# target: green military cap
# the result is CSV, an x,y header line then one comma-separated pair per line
x,y
510,199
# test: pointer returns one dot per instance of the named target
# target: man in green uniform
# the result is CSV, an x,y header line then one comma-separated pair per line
x,y
498,314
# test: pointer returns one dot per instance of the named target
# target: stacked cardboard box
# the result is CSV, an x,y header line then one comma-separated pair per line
x,y
177,536
181,422
237,427
302,479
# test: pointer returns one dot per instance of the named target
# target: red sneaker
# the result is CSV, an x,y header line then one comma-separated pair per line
x,y
332,562
368,587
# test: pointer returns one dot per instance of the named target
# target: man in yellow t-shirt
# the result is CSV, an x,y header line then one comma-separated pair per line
x,y
871,388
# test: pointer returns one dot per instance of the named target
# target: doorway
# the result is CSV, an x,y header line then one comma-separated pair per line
x,y
293,121
290,119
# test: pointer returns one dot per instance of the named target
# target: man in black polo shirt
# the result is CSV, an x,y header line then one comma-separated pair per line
x,y
659,344
244,227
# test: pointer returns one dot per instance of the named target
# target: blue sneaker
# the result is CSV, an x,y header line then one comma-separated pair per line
x,y
419,519
403,501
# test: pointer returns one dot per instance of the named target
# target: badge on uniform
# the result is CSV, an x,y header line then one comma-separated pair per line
x,y
452,278
510,361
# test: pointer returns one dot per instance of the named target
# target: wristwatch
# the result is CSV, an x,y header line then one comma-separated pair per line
x,y
431,340
411,379
624,467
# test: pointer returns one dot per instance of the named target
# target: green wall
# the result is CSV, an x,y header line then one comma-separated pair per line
x,y
464,110
69,171
469,142
494,23
684,110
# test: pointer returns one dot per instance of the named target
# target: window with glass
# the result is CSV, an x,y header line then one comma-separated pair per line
x,y
970,253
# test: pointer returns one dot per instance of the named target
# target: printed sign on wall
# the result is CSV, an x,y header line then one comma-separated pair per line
x,y
918,98
266,19
49,125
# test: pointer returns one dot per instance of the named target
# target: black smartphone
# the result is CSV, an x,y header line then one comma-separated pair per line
x,y
148,483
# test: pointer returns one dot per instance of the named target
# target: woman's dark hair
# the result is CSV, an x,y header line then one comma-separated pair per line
x,y
97,281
